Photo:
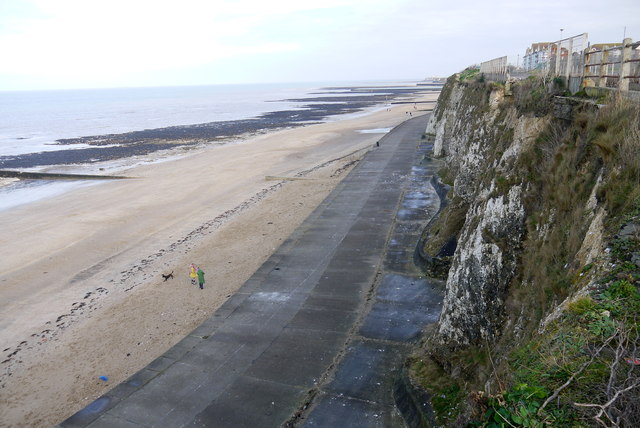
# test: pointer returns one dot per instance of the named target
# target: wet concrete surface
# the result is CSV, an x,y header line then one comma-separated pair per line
x,y
401,314
318,335
358,392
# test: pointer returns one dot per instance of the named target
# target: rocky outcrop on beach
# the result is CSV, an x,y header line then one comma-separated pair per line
x,y
147,141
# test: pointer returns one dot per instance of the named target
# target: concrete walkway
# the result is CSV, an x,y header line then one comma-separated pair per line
x,y
316,335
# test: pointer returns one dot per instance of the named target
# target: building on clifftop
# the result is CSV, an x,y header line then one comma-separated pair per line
x,y
536,56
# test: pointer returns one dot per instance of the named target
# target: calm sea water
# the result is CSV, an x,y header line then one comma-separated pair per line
x,y
31,121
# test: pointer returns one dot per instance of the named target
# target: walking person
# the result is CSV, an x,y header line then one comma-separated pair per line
x,y
193,274
201,278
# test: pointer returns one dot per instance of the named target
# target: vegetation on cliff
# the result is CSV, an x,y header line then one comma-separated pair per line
x,y
562,343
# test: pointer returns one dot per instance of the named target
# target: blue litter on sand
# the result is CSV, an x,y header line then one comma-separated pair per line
x,y
104,378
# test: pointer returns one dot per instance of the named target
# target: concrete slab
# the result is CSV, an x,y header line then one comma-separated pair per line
x,y
415,206
228,306
407,289
340,273
397,322
403,306
180,349
319,301
259,312
135,382
150,405
287,280
324,319
108,421
250,402
346,258
213,355
91,413
404,234
207,328
298,357
336,411
199,399
367,370
161,364
342,290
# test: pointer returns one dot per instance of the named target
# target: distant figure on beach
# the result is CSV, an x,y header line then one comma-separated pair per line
x,y
193,274
201,278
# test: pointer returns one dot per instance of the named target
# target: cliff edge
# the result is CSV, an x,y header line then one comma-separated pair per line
x,y
539,246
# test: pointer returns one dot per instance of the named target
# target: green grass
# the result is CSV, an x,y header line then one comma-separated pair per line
x,y
585,350
447,394
469,73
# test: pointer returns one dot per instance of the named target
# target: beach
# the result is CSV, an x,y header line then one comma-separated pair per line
x,y
81,280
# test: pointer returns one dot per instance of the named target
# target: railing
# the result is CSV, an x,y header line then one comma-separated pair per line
x,y
615,67
495,69
580,65
566,59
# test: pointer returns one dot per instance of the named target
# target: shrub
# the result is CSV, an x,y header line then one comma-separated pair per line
x,y
516,407
581,306
470,73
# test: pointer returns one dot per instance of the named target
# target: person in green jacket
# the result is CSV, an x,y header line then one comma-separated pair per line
x,y
201,278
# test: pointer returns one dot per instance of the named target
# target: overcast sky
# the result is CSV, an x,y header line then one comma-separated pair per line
x,y
55,44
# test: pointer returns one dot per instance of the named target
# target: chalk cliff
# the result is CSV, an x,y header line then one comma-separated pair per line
x,y
539,184
480,136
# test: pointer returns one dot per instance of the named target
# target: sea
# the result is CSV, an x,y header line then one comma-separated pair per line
x,y
33,123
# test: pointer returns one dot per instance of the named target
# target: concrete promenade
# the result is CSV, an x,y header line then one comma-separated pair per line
x,y
317,335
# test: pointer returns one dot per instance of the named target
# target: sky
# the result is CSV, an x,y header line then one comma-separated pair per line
x,y
64,44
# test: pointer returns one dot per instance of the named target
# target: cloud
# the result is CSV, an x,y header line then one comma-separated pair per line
x,y
122,42
77,37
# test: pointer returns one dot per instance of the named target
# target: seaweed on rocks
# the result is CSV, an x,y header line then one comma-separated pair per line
x,y
143,142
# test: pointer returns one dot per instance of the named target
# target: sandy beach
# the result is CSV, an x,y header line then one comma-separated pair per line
x,y
81,291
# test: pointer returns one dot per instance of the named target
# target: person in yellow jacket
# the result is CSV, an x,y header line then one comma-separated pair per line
x,y
193,273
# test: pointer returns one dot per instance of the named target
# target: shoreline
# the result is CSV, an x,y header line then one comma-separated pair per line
x,y
111,153
57,176
223,215
116,146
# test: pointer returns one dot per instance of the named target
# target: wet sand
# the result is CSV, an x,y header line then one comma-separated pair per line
x,y
81,290
110,147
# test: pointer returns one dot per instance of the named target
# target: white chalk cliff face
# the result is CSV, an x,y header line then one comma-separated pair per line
x,y
482,268
489,244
